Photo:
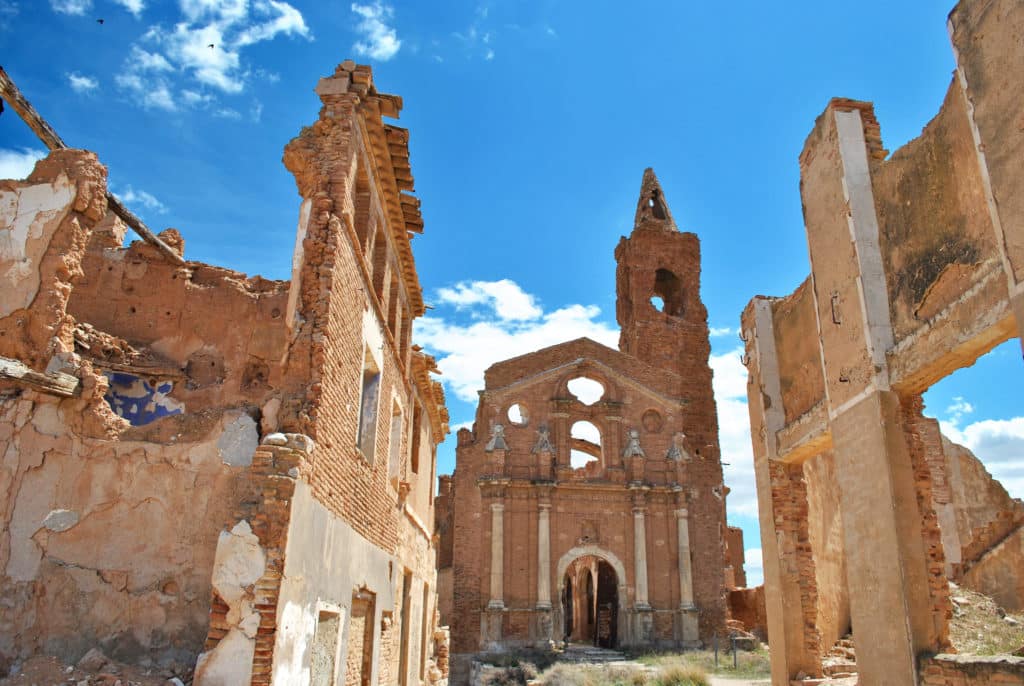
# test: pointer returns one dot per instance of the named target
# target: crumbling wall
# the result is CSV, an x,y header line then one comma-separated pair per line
x,y
734,558
141,506
45,224
95,549
799,354
825,536
997,573
916,261
934,227
746,605
971,670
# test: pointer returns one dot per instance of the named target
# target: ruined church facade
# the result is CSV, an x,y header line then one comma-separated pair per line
x,y
597,519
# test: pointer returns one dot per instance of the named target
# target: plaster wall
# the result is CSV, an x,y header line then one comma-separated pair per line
x,y
68,583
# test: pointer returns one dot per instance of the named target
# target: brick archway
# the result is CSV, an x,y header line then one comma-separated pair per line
x,y
562,567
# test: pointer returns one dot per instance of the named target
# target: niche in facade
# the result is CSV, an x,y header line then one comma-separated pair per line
x,y
587,391
668,292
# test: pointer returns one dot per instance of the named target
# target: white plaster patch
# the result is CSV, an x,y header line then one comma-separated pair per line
x,y
229,664
239,562
239,441
291,661
47,420
269,419
298,257
28,215
60,520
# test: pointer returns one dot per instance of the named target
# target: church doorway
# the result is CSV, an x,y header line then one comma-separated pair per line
x,y
590,602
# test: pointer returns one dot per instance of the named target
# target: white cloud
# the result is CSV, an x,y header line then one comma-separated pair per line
x,y
378,40
957,409
476,39
81,83
283,19
18,164
143,60
204,47
505,297
717,331
151,93
133,6
141,198
499,328
753,564
192,98
75,7
998,443
227,113
730,384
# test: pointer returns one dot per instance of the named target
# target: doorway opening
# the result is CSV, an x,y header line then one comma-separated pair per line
x,y
590,602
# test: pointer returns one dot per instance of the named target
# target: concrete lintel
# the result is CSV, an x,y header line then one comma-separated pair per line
x,y
863,223
768,365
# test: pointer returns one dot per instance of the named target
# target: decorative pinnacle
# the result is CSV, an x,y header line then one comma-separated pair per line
x,y
651,210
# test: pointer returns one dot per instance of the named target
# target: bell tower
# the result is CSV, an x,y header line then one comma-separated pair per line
x,y
662,318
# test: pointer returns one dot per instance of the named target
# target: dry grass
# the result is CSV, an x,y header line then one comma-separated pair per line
x,y
668,674
749,665
980,627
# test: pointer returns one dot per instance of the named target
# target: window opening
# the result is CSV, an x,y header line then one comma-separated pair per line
x,y
367,436
417,435
587,391
517,414
585,446
668,289
323,660
395,441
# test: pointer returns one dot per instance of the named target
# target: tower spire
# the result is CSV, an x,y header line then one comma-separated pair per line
x,y
652,210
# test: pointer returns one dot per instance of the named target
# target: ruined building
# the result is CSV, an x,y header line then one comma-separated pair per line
x,y
598,519
917,269
197,461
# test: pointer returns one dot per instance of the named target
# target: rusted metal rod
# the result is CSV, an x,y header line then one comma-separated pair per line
x,y
52,140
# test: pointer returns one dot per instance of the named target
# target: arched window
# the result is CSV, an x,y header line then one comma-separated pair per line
x,y
585,446
668,293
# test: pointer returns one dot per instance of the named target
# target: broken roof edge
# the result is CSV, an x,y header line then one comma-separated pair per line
x,y
387,146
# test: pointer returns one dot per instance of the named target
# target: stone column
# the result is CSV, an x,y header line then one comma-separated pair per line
x,y
497,601
688,611
640,551
543,556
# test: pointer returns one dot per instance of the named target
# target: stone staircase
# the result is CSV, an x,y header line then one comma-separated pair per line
x,y
579,653
841,660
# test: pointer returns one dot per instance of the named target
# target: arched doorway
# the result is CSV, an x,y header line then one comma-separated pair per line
x,y
590,602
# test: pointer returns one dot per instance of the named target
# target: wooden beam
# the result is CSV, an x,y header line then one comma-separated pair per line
x,y
57,383
52,140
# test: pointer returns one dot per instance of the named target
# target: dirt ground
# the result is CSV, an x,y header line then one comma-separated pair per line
x,y
49,671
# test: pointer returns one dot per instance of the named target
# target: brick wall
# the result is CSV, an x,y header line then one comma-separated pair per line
x,y
971,670
789,503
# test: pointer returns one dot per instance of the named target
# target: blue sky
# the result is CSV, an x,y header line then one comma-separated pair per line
x,y
531,125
